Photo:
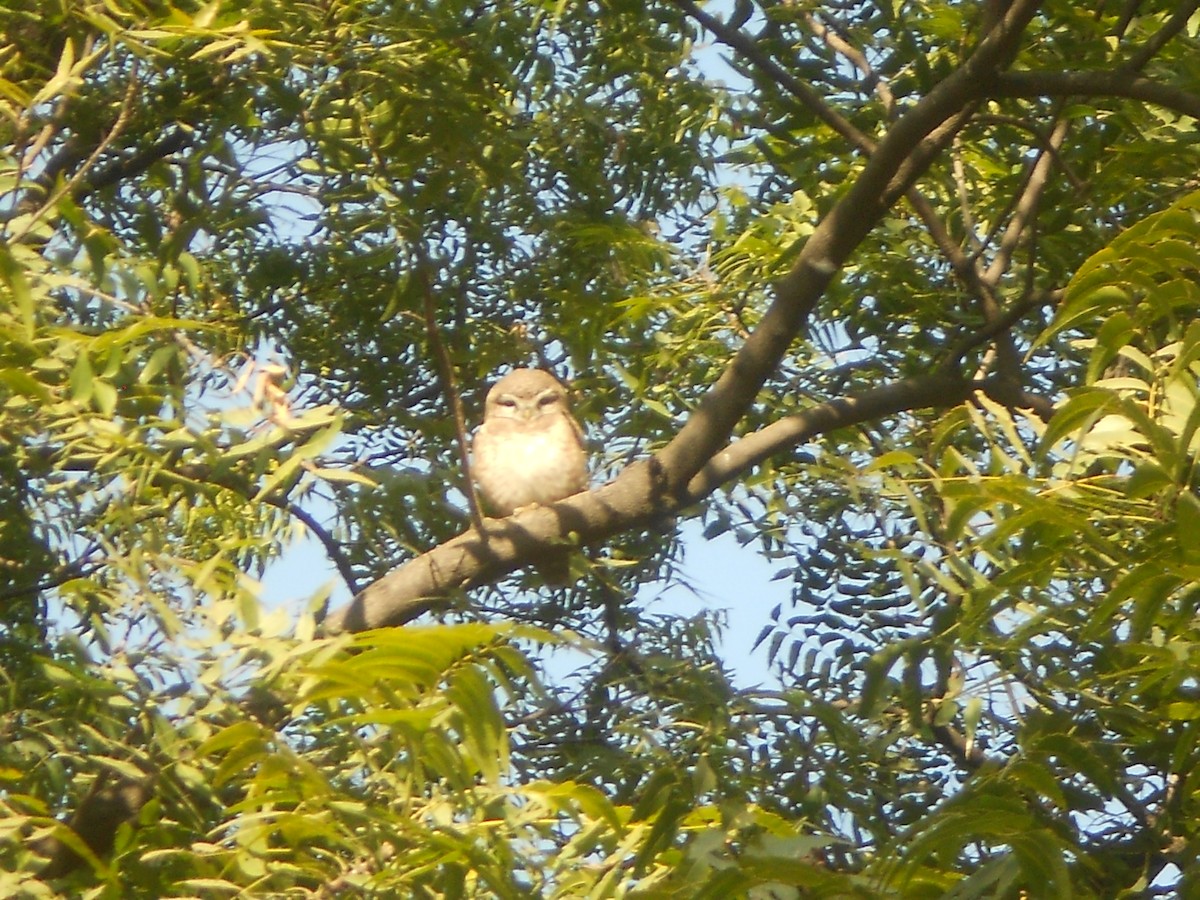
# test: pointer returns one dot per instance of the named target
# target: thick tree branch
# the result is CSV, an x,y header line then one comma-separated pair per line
x,y
897,161
967,755
635,497
747,452
177,139
110,803
476,557
73,152
964,267
1116,83
650,489
1007,393
66,157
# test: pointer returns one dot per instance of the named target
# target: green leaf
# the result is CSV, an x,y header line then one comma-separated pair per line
x,y
105,396
82,380
469,690
342,476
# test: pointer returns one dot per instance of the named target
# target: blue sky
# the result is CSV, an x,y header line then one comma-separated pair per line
x,y
725,576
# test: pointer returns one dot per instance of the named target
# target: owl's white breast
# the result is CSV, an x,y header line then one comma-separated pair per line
x,y
515,465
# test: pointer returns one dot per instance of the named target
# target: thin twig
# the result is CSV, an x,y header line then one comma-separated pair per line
x,y
1158,40
856,58
734,39
451,393
332,548
1026,206
123,116
27,155
57,578
198,473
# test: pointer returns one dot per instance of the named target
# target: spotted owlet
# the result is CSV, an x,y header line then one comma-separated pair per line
x,y
528,451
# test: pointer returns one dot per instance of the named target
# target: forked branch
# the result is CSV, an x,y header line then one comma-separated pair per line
x,y
651,488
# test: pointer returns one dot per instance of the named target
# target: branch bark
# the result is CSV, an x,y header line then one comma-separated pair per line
x,y
635,498
1158,40
118,170
742,455
650,489
895,164
109,804
1116,83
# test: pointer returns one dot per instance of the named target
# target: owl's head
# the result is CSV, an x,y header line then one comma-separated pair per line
x,y
526,394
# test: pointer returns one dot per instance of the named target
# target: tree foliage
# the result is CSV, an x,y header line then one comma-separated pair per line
x,y
901,295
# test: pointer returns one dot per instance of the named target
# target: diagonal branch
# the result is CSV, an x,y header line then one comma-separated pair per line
x,y
965,268
1037,177
648,489
634,498
736,39
1024,210
856,58
172,142
784,434
1158,40
997,326
124,114
903,154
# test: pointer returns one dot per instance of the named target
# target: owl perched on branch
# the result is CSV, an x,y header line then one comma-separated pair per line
x,y
529,451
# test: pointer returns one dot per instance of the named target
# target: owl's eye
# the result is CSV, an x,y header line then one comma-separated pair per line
x,y
547,400
506,401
